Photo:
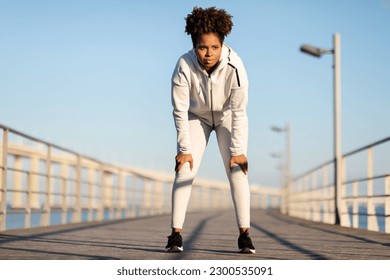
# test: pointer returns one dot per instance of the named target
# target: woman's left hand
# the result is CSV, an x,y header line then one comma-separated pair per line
x,y
241,161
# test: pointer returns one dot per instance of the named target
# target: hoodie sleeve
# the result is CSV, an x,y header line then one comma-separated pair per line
x,y
238,104
181,102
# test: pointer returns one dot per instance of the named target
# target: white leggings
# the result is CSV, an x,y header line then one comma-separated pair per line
x,y
181,191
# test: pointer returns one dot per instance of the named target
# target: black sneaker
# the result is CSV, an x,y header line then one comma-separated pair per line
x,y
175,243
245,244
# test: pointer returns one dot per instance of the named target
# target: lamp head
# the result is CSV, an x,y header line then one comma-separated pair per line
x,y
277,129
317,52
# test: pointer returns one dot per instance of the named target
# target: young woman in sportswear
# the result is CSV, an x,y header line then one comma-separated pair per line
x,y
210,93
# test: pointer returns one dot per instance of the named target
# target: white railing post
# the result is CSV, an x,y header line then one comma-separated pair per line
x,y
315,203
64,173
147,205
301,199
91,204
27,215
46,212
355,204
325,194
372,219
101,199
127,190
306,209
115,195
17,195
122,195
34,182
76,217
292,198
387,204
3,189
108,193
344,216
134,196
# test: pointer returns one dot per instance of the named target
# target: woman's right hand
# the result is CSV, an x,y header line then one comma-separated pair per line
x,y
181,159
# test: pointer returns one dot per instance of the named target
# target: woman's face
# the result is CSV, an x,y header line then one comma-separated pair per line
x,y
208,50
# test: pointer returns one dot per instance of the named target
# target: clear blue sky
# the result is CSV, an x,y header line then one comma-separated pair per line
x,y
94,76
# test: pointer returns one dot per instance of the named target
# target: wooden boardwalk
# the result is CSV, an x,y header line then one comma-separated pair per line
x,y
207,235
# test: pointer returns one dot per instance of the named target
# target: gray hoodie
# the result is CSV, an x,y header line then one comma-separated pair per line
x,y
211,98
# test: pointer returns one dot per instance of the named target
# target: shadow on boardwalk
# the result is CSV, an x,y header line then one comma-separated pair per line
x,y
206,236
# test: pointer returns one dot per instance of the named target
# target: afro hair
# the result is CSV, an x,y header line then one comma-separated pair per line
x,y
202,21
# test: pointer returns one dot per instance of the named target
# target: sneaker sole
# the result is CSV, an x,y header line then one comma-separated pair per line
x,y
247,251
174,249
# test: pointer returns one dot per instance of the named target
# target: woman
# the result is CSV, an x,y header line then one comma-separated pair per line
x,y
210,93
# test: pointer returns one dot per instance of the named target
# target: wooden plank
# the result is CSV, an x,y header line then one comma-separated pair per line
x,y
207,235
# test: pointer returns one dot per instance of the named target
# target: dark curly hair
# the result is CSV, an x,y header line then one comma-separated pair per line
x,y
207,20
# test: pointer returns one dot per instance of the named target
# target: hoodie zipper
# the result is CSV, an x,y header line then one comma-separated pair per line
x,y
211,100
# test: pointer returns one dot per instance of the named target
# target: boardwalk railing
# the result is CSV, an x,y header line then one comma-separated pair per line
x,y
44,184
363,200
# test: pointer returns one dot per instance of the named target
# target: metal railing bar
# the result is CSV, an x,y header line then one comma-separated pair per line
x,y
344,156
311,200
364,214
317,168
300,192
55,146
311,211
366,179
35,139
367,147
365,196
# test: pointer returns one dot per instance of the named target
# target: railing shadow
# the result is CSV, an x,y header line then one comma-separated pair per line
x,y
321,228
285,242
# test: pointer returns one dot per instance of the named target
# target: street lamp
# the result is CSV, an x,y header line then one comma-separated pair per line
x,y
318,52
287,164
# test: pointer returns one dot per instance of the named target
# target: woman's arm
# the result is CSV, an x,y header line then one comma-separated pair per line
x,y
180,102
238,104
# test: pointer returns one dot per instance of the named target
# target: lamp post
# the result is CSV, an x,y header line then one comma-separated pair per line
x,y
280,167
287,164
317,52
